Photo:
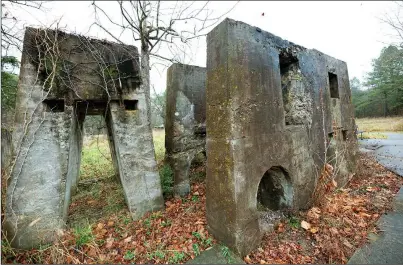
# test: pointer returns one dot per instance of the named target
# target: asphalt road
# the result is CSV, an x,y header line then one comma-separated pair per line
x,y
388,152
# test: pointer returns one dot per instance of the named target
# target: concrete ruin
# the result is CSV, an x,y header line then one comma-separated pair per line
x,y
185,121
64,77
276,112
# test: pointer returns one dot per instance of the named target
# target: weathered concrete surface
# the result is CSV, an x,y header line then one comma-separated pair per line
x,y
388,152
387,248
7,119
64,77
185,120
270,104
214,255
133,149
6,149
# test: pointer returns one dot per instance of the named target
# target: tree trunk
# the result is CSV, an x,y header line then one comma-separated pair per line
x,y
145,77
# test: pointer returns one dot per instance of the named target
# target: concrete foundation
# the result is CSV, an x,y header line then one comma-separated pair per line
x,y
64,77
185,121
276,112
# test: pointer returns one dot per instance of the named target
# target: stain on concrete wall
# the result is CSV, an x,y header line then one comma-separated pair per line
x,y
185,120
269,106
64,77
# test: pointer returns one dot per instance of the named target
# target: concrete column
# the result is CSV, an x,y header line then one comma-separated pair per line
x,y
73,174
36,191
135,157
184,120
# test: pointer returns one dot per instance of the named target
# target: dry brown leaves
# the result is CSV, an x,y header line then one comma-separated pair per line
x,y
332,232
326,234
159,237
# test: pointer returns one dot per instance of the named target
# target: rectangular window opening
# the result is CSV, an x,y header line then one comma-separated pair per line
x,y
289,70
91,107
130,104
54,105
334,86
344,132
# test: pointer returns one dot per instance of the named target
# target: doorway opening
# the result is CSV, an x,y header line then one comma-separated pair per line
x,y
98,192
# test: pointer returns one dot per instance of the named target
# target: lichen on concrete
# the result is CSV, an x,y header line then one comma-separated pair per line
x,y
63,78
185,121
269,106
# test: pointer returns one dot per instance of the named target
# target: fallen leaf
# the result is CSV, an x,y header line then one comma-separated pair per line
x,y
314,230
92,252
314,213
371,189
334,183
347,244
109,242
333,230
127,240
362,214
280,227
305,225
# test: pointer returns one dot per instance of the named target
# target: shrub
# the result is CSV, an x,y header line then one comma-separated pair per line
x,y
167,180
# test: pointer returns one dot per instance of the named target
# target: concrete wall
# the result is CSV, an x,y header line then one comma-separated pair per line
x,y
269,106
185,120
63,78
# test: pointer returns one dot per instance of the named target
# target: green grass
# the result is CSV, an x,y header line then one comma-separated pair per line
x,y
178,257
167,180
129,255
294,222
83,235
96,161
372,135
389,124
159,144
99,192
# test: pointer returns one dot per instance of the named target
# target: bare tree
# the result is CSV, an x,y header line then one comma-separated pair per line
x,y
158,23
11,25
394,20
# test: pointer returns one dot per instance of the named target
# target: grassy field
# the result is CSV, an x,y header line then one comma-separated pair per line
x,y
159,144
96,160
99,192
389,124
372,135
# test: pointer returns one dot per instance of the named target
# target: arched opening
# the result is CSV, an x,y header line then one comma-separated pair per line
x,y
275,191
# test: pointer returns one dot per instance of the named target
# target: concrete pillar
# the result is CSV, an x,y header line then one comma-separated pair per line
x,y
134,152
48,130
184,120
36,192
270,106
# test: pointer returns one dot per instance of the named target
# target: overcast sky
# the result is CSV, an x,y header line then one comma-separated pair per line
x,y
347,30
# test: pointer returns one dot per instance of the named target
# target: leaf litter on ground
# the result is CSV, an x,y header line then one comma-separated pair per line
x,y
329,233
